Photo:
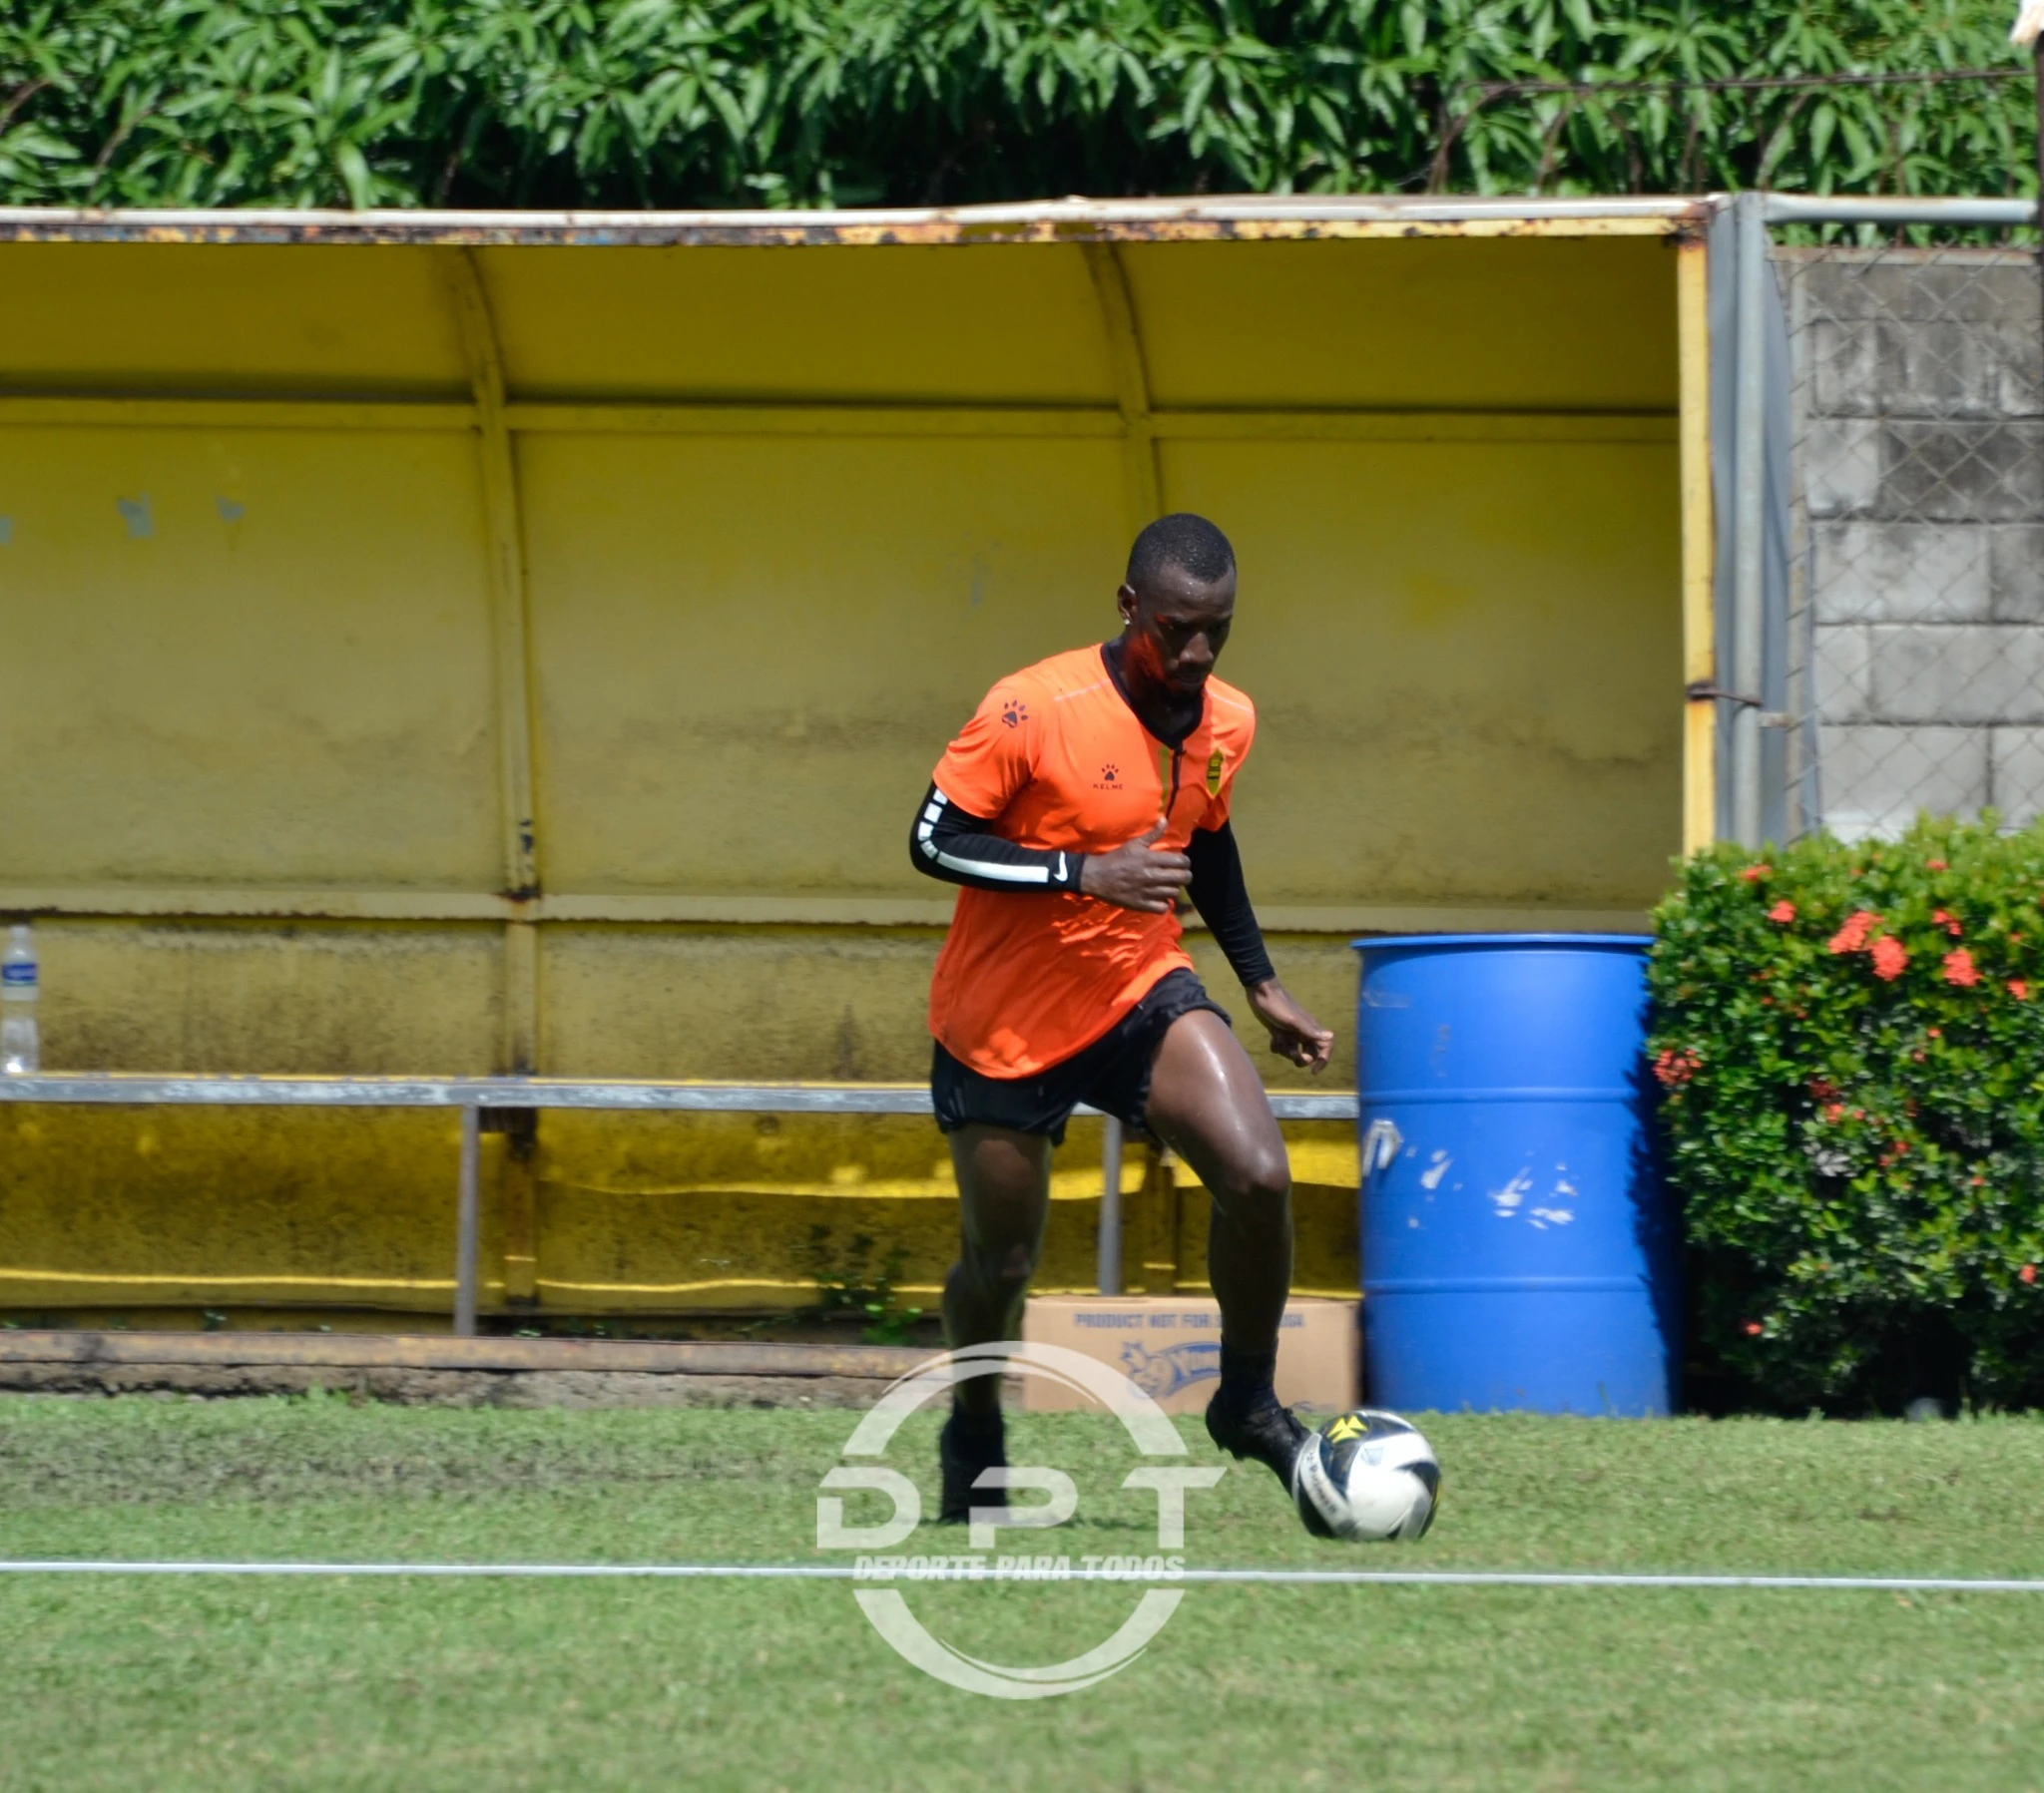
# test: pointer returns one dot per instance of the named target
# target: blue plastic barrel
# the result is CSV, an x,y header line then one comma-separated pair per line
x,y
1518,1249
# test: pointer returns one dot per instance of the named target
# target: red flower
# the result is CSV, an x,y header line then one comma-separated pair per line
x,y
2019,989
2028,1273
1834,1110
1783,911
1941,919
1853,936
1675,1068
1889,958
1959,968
1936,865
1756,871
1754,1329
1935,1033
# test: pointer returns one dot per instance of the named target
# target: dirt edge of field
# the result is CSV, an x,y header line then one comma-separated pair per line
x,y
450,1371
445,1387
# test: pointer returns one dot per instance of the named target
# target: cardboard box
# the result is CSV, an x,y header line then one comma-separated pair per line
x,y
1169,1347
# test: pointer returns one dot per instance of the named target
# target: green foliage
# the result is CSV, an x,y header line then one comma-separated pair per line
x,y
849,1287
1851,1042
804,102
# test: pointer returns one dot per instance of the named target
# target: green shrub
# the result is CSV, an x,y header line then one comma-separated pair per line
x,y
922,102
1849,1042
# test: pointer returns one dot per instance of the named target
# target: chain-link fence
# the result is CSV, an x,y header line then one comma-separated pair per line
x,y
1916,616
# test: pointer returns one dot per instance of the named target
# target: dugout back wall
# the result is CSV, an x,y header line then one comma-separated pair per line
x,y
445,645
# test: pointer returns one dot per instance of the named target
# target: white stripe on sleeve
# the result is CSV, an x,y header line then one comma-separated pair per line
x,y
925,833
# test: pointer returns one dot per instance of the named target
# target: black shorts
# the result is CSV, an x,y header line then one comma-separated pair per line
x,y
1113,1073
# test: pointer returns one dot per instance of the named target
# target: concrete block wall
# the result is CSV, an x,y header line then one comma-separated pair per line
x,y
1918,414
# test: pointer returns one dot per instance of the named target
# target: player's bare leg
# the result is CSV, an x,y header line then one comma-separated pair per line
x,y
1003,1203
1208,1105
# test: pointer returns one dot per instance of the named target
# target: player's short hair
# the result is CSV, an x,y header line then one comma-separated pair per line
x,y
1181,540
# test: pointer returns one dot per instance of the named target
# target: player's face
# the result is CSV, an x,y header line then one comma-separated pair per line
x,y
1177,628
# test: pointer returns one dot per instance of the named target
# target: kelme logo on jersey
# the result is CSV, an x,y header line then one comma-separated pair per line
x,y
1214,766
1014,713
1109,778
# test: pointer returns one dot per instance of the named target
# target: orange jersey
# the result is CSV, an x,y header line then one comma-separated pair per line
x,y
1056,759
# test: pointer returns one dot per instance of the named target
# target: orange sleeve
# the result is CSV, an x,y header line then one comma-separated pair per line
x,y
994,755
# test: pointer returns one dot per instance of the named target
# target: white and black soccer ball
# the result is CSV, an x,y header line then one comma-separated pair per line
x,y
1366,1477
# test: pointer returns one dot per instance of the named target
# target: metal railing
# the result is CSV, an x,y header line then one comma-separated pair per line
x,y
501,1094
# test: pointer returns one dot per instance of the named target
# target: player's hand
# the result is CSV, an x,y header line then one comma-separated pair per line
x,y
1295,1033
1136,875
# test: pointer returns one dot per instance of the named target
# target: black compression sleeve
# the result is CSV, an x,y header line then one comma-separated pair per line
x,y
1222,900
947,843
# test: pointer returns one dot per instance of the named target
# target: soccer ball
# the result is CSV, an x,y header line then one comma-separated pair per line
x,y
1366,1475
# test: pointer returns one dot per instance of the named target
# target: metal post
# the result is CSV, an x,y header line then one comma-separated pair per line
x,y
1748,516
466,1205
2039,52
1110,1271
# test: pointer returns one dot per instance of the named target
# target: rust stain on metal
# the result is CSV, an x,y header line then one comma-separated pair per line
x,y
1248,220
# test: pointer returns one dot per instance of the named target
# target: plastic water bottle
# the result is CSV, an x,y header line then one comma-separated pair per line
x,y
20,1045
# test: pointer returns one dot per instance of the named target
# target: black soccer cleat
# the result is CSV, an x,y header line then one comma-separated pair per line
x,y
969,1445
1260,1428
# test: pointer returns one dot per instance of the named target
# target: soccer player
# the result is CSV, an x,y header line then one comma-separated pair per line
x,y
1085,795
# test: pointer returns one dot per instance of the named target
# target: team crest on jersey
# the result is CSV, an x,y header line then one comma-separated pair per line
x,y
1214,766
1014,713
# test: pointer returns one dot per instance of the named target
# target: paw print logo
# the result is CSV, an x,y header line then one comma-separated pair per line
x,y
1014,713
1110,774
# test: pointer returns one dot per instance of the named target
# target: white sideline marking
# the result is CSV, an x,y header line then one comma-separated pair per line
x,y
834,1572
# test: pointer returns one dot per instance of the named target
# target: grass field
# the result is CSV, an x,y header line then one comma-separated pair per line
x,y
426,1684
